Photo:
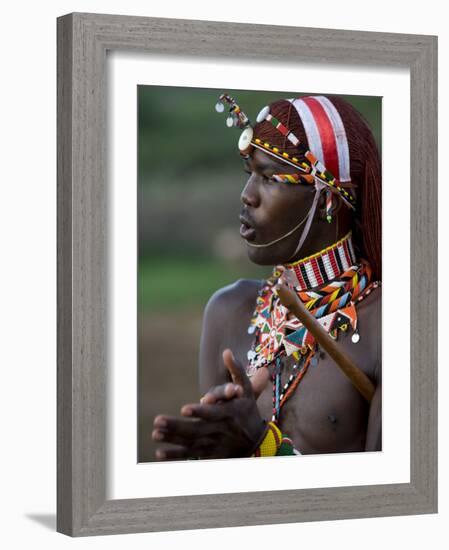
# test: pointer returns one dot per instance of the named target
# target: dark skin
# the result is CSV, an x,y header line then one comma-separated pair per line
x,y
325,414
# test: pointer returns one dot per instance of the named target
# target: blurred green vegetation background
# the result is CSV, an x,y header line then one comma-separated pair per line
x,y
190,179
189,182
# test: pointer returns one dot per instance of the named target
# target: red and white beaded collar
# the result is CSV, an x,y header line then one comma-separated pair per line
x,y
322,267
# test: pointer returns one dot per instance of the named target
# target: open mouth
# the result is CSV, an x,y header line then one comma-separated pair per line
x,y
246,231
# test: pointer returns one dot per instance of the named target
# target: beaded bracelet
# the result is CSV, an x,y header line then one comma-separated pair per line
x,y
275,443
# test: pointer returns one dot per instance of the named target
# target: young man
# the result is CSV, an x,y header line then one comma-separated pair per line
x,y
312,208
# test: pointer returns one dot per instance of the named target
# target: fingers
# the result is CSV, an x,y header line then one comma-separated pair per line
x,y
212,413
259,381
185,440
181,431
174,453
182,426
237,371
225,392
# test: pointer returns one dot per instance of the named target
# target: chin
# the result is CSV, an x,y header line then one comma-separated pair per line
x,y
269,256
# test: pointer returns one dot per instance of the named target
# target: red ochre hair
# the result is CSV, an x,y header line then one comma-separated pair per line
x,y
365,170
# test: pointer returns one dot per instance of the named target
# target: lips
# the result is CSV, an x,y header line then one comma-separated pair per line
x,y
247,231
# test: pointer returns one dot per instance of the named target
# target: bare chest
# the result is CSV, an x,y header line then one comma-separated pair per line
x,y
325,413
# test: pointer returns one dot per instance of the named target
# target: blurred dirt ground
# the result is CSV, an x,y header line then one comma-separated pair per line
x,y
168,369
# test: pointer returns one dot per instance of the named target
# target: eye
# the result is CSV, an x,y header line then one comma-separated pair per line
x,y
265,179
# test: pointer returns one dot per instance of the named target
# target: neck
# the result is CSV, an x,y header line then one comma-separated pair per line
x,y
321,267
321,235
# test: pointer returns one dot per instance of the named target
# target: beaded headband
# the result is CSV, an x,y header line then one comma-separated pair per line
x,y
326,136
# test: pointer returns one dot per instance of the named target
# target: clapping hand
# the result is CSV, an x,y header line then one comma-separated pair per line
x,y
226,423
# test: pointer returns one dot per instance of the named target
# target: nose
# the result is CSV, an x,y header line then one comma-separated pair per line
x,y
250,194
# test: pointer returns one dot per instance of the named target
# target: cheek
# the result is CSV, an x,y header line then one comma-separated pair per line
x,y
286,205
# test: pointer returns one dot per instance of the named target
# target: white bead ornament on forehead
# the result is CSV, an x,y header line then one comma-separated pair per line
x,y
219,107
263,114
245,138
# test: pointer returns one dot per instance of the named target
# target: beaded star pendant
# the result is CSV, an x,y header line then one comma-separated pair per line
x,y
278,334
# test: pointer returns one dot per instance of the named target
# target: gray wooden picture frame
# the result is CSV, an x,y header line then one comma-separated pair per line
x,y
83,40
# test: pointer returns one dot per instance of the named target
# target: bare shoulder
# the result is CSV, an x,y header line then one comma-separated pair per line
x,y
232,299
225,323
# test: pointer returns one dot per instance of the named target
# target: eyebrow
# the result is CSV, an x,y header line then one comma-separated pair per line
x,y
262,166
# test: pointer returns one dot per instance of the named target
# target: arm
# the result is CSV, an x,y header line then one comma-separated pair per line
x,y
212,371
227,427
226,318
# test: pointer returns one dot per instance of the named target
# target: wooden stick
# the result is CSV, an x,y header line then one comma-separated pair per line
x,y
291,301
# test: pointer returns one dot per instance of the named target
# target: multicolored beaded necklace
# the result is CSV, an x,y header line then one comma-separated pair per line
x,y
330,283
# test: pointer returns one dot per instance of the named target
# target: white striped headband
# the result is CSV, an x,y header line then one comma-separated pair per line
x,y
326,135
326,159
324,130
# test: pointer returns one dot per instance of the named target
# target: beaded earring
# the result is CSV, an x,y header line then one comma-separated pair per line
x,y
329,206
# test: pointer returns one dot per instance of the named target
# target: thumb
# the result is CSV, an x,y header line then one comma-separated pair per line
x,y
237,372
